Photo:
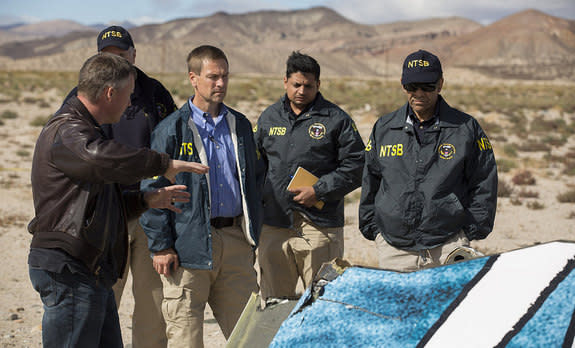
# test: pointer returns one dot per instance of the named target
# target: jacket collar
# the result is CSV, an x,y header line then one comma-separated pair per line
x,y
75,104
447,118
318,107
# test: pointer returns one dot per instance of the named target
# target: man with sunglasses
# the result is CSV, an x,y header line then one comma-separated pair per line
x,y
430,178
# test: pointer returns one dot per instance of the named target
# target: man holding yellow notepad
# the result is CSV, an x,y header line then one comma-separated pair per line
x,y
315,157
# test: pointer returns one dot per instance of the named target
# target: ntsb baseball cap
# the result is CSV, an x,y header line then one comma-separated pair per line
x,y
421,67
114,36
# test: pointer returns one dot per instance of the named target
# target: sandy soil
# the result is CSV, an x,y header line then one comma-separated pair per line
x,y
21,309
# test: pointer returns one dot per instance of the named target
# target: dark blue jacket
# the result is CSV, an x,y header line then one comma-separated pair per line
x,y
189,232
419,196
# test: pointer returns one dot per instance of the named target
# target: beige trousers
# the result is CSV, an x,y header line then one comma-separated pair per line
x,y
148,327
395,259
285,255
226,288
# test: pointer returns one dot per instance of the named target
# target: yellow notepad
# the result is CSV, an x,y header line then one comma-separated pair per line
x,y
302,177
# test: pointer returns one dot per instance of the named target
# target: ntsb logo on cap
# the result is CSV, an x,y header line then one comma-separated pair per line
x,y
421,67
115,36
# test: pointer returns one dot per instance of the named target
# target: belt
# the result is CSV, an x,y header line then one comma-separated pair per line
x,y
221,222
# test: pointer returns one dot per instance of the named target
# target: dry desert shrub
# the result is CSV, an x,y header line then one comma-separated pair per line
x,y
569,163
491,127
524,177
528,194
7,219
567,197
534,146
505,165
40,121
535,205
510,150
15,82
9,115
555,141
23,153
516,201
504,188
551,127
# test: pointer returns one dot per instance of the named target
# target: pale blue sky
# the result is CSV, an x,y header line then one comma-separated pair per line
x,y
362,11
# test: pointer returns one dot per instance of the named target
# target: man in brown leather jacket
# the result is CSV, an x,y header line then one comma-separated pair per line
x,y
150,103
79,242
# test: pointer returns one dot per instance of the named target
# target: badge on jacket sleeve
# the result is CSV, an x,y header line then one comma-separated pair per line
x,y
317,131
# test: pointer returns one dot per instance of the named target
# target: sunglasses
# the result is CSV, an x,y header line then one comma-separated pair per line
x,y
426,87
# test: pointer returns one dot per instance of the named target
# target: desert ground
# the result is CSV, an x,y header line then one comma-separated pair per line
x,y
537,180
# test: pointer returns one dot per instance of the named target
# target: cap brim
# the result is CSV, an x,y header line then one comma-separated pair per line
x,y
420,77
121,45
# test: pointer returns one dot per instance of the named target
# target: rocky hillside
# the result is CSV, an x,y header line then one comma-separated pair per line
x,y
528,44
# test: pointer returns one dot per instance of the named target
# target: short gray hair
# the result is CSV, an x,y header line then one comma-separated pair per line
x,y
101,71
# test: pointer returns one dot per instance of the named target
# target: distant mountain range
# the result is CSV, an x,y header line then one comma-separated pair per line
x,y
528,44
18,32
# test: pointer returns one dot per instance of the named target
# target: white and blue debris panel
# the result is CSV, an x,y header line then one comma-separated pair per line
x,y
522,298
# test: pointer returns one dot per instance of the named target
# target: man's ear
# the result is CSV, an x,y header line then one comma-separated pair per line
x,y
109,93
192,76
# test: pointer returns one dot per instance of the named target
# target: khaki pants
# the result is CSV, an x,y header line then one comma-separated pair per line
x,y
148,327
226,288
395,259
285,255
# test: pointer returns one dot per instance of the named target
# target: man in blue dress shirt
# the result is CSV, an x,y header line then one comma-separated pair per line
x,y
206,255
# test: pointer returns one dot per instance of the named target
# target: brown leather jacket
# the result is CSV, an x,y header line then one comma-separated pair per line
x,y
76,172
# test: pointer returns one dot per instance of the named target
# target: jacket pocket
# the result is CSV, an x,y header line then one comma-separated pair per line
x,y
388,216
446,215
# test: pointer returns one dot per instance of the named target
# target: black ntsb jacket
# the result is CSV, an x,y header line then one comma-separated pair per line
x,y
418,196
323,140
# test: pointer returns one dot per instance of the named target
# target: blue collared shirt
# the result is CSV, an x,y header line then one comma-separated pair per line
x,y
224,182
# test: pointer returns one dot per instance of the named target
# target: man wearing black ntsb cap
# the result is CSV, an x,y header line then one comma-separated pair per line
x,y
430,179
150,103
